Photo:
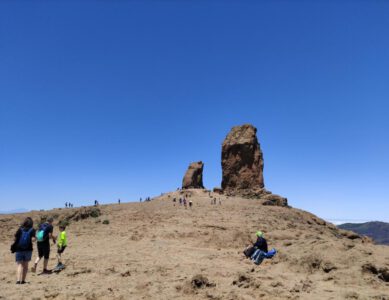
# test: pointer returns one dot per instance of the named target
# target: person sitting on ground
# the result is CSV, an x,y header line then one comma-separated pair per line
x,y
43,236
23,248
190,203
61,244
261,251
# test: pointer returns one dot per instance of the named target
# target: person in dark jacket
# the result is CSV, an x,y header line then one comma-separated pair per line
x,y
261,248
261,243
23,246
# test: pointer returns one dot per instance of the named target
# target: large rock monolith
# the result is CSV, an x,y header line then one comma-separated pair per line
x,y
193,178
242,159
242,167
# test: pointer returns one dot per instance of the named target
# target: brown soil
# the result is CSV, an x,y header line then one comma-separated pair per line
x,y
155,250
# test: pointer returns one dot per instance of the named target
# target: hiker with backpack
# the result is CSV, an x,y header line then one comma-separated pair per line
x,y
22,247
43,236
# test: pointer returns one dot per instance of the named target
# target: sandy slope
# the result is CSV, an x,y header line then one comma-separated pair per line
x,y
153,250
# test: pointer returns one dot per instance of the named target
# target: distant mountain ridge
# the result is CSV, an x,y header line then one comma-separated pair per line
x,y
14,211
378,231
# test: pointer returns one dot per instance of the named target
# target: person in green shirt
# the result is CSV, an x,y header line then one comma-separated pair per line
x,y
62,242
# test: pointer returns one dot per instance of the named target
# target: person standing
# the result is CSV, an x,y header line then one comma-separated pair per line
x,y
61,245
43,236
23,248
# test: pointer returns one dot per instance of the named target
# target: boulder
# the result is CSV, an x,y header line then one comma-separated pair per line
x,y
217,190
242,160
193,178
276,200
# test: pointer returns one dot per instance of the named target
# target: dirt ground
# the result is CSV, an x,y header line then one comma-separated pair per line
x,y
155,250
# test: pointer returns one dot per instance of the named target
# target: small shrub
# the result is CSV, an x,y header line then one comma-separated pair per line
x,y
95,212
106,222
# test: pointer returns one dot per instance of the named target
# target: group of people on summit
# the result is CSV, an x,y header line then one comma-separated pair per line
x,y
22,247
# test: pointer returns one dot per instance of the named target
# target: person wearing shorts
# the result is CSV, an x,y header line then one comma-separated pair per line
x,y
44,245
62,242
23,249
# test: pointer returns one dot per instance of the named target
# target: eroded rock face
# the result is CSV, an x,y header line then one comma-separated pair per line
x,y
242,160
242,165
193,178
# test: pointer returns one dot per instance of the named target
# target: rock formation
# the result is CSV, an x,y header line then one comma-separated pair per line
x,y
193,178
242,166
242,159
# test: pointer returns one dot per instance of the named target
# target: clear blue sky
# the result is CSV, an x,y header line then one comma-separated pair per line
x,y
113,99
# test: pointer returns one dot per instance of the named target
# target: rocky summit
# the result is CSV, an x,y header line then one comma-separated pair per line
x,y
242,159
242,165
194,176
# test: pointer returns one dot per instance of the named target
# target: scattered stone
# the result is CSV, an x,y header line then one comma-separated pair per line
x,y
381,273
126,274
350,234
243,281
274,200
351,295
193,178
200,281
328,267
218,190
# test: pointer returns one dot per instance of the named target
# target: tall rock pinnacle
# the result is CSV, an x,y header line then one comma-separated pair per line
x,y
242,159
193,178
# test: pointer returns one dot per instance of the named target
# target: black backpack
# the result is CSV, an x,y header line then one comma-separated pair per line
x,y
249,251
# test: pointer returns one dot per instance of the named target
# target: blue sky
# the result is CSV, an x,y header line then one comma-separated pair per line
x,y
113,99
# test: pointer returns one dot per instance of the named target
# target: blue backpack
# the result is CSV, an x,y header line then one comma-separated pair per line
x,y
25,239
271,253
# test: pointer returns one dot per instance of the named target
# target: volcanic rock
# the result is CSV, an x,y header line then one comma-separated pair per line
x,y
276,200
242,165
242,159
193,178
